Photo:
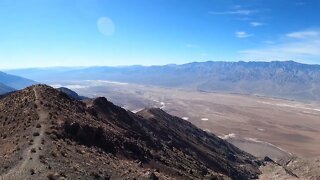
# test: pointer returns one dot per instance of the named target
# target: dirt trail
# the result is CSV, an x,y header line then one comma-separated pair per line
x,y
30,159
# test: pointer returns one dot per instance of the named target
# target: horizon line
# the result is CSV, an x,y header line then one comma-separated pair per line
x,y
144,65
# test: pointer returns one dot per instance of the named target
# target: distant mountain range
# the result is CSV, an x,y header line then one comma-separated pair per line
x,y
9,83
284,79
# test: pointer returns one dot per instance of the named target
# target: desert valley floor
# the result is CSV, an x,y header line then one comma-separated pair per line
x,y
259,125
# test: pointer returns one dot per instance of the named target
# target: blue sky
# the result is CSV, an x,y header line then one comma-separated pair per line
x,y
42,33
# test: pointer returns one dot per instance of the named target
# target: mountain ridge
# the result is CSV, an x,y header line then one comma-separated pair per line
x,y
51,133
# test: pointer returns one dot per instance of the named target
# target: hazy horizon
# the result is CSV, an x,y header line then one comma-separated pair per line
x,y
82,67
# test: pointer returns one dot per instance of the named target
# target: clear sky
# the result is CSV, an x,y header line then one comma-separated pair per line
x,y
40,33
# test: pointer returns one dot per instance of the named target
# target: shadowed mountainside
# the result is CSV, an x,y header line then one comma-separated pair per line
x,y
5,89
10,82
